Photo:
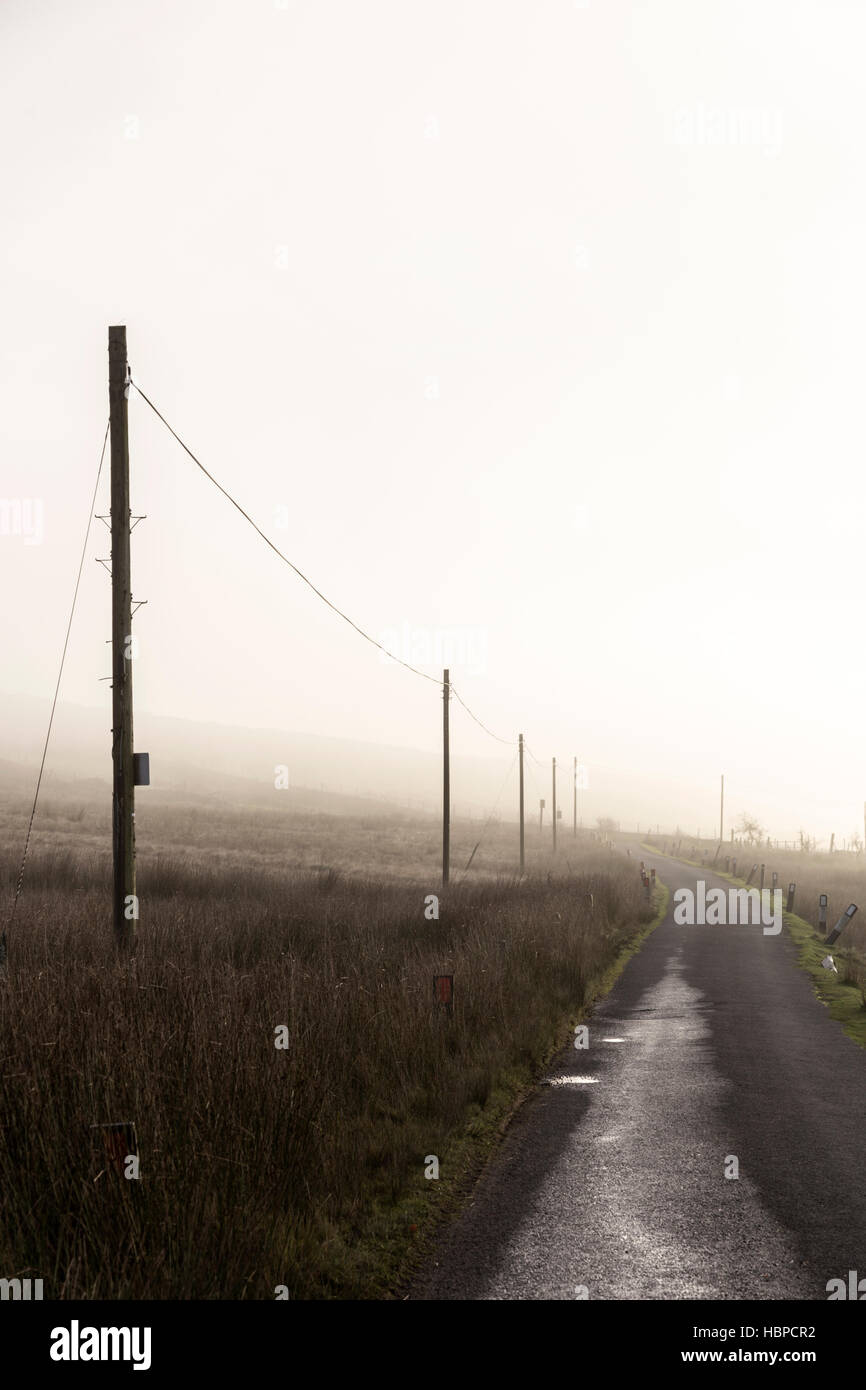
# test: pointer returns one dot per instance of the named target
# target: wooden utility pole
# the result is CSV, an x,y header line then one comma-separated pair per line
x,y
123,802
722,811
574,812
554,806
446,777
522,839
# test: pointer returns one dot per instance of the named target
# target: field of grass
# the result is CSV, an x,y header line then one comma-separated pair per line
x,y
300,1166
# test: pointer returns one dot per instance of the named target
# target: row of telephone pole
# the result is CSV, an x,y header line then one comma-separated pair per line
x,y
446,789
131,769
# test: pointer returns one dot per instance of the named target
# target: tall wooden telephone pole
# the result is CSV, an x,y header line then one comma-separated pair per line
x,y
722,811
522,839
554,806
125,902
446,777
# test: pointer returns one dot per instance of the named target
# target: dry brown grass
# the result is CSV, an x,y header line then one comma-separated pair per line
x,y
260,1166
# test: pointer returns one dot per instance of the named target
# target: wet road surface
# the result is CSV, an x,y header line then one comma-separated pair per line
x,y
611,1178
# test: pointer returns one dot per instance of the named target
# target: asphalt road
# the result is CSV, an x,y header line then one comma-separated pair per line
x,y
612,1176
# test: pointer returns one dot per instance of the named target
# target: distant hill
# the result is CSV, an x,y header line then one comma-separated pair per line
x,y
190,760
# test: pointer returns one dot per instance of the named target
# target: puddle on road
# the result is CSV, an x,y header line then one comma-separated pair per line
x,y
570,1081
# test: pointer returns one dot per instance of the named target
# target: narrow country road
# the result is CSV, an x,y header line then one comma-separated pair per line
x,y
612,1176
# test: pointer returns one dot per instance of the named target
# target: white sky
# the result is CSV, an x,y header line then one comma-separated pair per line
x,y
623,242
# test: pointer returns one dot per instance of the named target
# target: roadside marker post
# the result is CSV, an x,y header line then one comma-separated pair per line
x,y
822,912
841,924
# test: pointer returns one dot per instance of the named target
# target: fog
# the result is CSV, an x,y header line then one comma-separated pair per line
x,y
530,333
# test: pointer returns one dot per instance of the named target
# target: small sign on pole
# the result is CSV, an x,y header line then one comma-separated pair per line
x,y
443,992
118,1144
